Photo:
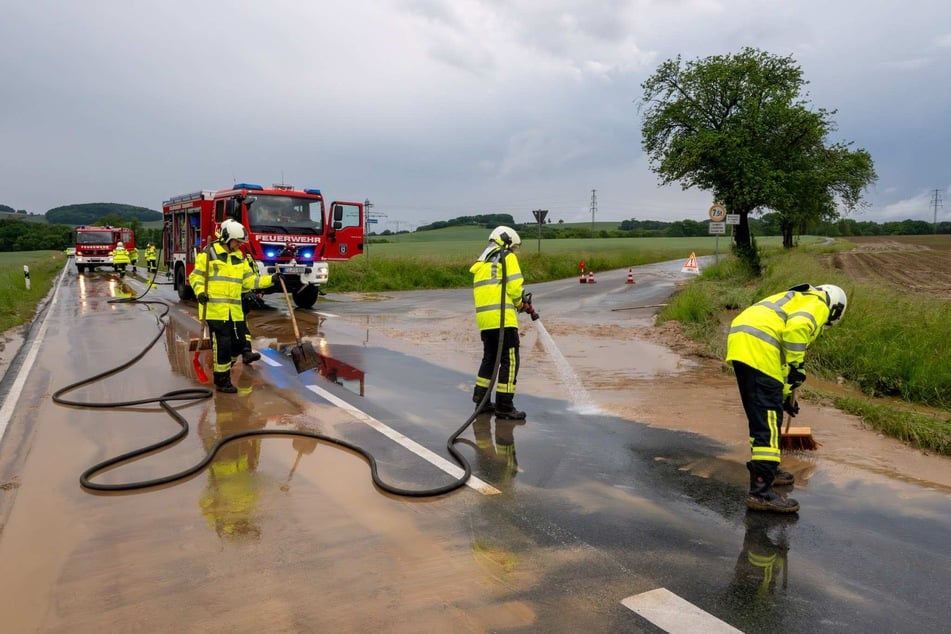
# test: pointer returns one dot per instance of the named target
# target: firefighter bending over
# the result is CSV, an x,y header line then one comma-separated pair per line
x,y
487,293
220,296
767,346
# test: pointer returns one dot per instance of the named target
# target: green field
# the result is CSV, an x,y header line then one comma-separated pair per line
x,y
17,304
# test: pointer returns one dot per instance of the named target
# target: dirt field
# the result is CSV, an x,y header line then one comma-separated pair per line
x,y
914,263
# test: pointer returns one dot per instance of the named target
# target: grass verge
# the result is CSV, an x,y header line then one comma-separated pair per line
x,y
17,304
888,344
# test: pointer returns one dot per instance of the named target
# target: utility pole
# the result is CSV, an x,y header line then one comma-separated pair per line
x,y
594,206
367,206
936,202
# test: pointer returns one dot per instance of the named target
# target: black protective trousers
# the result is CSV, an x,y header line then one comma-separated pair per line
x,y
226,341
762,398
508,368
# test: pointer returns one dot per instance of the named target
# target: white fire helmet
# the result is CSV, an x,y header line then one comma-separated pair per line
x,y
232,230
119,245
837,301
505,236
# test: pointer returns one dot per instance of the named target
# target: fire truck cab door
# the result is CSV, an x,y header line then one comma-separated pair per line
x,y
345,233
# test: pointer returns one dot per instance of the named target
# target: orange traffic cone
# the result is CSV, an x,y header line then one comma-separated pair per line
x,y
582,279
591,277
630,276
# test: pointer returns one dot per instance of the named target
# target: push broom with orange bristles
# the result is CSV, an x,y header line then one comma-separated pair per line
x,y
797,438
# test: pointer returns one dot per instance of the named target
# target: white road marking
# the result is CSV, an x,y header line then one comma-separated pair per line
x,y
412,445
6,412
673,614
271,362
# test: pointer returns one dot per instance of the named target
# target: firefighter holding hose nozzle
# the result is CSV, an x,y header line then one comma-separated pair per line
x,y
496,315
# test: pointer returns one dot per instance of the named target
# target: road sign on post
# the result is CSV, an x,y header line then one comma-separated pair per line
x,y
540,219
717,213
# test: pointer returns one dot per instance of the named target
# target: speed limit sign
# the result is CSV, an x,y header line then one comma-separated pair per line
x,y
717,213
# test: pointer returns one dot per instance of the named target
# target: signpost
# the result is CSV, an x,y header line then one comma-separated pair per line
x,y
717,226
540,219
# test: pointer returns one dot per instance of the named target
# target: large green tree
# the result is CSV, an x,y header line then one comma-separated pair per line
x,y
739,126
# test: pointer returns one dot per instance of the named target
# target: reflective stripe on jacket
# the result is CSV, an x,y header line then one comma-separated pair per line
x,y
775,332
228,277
120,256
487,288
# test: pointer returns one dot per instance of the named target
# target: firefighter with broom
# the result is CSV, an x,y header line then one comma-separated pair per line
x,y
220,276
767,346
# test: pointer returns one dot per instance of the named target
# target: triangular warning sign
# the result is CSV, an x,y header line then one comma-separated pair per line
x,y
691,266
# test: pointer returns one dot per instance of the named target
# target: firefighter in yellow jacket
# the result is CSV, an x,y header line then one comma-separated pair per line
x,y
767,346
151,258
220,296
487,283
120,258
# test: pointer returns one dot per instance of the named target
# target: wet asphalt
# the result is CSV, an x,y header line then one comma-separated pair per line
x,y
596,508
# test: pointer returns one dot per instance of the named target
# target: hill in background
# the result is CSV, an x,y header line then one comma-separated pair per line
x,y
88,213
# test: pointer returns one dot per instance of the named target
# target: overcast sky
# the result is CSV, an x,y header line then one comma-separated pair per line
x,y
438,108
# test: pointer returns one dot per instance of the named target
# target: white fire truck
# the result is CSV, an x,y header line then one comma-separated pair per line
x,y
289,231
94,245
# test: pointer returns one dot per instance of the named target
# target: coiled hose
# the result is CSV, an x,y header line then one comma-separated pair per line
x,y
187,395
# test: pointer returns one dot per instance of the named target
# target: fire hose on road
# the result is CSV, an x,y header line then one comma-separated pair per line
x,y
168,400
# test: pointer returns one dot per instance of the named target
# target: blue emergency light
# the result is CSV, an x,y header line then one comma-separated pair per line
x,y
247,186
316,192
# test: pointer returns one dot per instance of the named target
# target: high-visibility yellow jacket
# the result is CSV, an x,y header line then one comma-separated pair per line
x,y
150,254
775,332
120,256
134,254
487,288
229,275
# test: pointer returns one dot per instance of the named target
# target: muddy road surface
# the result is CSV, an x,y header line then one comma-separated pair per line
x,y
618,505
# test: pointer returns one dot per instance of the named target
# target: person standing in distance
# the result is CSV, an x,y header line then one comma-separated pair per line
x,y
229,275
495,322
767,346
120,258
151,258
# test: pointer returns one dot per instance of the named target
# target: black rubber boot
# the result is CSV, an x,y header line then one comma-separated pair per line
x,y
761,496
249,357
783,479
477,395
223,383
505,408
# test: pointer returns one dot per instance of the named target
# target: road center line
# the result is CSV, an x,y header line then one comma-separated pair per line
x,y
424,453
673,614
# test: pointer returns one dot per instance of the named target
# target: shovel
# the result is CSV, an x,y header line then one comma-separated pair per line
x,y
203,342
304,356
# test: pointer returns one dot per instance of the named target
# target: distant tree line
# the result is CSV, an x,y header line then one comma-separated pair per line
x,y
18,235
770,224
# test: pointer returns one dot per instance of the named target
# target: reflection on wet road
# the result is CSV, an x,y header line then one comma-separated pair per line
x,y
282,534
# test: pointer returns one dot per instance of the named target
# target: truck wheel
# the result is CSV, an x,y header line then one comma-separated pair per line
x,y
306,296
184,291
80,268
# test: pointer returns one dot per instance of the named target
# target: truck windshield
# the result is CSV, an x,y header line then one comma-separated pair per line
x,y
93,237
285,214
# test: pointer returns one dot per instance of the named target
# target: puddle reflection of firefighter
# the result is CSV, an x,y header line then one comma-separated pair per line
x,y
229,500
762,564
496,457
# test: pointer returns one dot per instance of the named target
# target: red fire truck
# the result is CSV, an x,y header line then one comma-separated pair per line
x,y
289,232
94,245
